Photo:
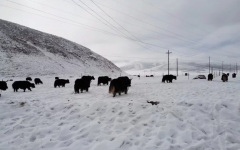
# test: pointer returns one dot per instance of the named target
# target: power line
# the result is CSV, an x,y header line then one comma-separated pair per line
x,y
116,21
133,18
147,22
114,18
104,19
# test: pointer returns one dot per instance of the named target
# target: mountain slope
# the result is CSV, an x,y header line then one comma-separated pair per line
x,y
24,51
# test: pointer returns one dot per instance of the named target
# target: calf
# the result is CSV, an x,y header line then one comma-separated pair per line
x,y
38,81
104,80
3,86
60,82
28,79
119,85
210,77
22,85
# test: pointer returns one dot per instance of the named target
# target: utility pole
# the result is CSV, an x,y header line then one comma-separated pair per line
x,y
222,67
230,68
209,65
212,70
236,68
168,60
177,67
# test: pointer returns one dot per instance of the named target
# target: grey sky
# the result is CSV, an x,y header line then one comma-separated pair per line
x,y
192,29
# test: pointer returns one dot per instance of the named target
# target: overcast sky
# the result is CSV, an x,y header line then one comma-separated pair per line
x,y
138,30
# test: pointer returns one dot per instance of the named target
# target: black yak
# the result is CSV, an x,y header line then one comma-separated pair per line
x,y
22,85
234,75
104,80
168,78
60,82
28,79
3,86
210,77
119,85
82,84
38,81
224,77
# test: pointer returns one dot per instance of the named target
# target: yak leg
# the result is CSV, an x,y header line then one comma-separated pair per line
x,y
119,93
24,90
29,89
114,94
126,91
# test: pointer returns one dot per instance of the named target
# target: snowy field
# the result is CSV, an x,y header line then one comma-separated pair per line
x,y
192,115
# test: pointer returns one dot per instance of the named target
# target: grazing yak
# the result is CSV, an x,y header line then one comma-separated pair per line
x,y
83,83
28,79
61,82
22,85
168,78
210,77
234,75
3,86
224,77
38,81
119,85
104,80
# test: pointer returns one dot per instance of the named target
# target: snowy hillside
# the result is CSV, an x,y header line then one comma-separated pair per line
x,y
192,115
24,51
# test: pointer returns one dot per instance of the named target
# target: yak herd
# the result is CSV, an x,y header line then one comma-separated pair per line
x,y
117,86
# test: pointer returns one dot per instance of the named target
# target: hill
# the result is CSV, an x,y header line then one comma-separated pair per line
x,y
24,51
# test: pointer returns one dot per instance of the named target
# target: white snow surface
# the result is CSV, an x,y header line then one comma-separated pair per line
x,y
192,115
24,52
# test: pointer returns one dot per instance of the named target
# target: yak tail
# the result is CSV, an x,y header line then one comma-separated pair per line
x,y
111,89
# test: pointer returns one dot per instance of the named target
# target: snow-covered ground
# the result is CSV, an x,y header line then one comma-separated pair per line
x,y
192,115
